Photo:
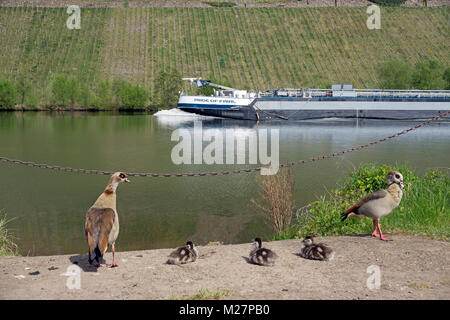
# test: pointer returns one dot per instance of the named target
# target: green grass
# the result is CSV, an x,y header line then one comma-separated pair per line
x,y
254,48
7,245
205,295
424,209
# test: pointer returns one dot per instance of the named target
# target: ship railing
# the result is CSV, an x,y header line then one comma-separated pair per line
x,y
403,93
287,92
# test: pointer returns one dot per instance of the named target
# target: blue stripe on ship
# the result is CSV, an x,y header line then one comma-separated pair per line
x,y
208,106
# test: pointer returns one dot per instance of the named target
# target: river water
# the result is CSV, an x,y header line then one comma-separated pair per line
x,y
48,207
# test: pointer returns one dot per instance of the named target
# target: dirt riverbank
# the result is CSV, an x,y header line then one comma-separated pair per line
x,y
411,267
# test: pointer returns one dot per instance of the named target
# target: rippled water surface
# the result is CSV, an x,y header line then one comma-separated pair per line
x,y
48,207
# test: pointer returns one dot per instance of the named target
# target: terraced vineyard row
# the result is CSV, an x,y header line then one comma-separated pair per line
x,y
38,44
256,48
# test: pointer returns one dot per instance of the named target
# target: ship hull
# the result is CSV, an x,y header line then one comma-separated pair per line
x,y
275,108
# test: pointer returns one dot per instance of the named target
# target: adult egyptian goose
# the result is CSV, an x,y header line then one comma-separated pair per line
x,y
183,255
315,251
101,227
262,256
379,203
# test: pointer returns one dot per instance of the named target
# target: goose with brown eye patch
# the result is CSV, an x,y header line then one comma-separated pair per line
x,y
182,255
379,203
101,226
124,178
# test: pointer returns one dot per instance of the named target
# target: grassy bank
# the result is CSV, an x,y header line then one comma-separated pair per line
x,y
255,48
424,208
7,245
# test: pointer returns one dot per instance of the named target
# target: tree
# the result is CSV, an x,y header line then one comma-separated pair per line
x,y
131,96
7,94
105,94
428,75
65,90
446,77
395,74
24,89
167,87
87,99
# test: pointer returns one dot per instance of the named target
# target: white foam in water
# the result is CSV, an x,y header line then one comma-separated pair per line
x,y
178,113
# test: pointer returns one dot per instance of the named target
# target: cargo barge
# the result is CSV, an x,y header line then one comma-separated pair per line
x,y
341,101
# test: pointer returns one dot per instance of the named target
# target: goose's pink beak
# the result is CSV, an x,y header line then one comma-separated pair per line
x,y
126,180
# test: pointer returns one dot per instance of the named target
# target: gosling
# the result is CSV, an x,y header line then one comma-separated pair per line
x,y
182,255
262,256
315,251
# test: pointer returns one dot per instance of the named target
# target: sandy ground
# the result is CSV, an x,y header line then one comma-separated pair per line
x,y
411,267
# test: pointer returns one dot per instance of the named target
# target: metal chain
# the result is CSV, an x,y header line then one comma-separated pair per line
x,y
229,172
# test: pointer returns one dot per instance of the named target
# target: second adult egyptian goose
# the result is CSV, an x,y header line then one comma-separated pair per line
x,y
379,203
101,227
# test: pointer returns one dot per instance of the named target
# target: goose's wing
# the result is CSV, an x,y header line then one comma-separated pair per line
x,y
370,197
97,226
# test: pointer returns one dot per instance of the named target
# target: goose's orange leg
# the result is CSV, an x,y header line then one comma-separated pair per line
x,y
114,264
374,233
381,235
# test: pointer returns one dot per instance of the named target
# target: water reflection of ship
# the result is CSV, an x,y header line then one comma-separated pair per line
x,y
306,128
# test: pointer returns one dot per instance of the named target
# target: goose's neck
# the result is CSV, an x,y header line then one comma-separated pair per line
x,y
111,187
108,198
395,191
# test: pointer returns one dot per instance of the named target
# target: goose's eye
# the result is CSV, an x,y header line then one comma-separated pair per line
x,y
122,176
397,176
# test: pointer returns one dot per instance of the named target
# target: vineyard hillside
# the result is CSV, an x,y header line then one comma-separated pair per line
x,y
254,48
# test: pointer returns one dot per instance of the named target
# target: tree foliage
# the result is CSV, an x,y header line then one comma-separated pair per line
x,y
395,74
131,96
65,90
167,87
425,75
428,75
7,94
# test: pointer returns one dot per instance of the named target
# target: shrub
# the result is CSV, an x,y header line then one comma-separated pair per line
x,y
167,87
131,96
423,209
87,98
105,95
7,94
31,99
395,74
277,200
7,245
24,88
65,90
446,77
428,75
